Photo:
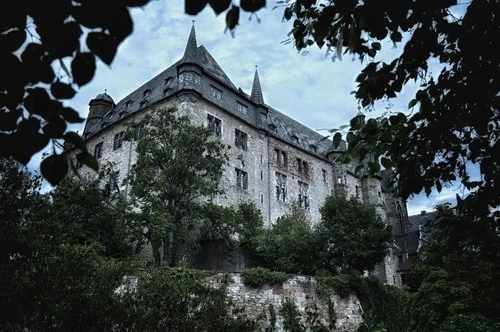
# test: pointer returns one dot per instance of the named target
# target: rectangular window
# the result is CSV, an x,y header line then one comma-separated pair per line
x,y
241,179
98,150
215,125
304,195
240,139
280,187
118,141
216,93
241,108
302,167
324,175
280,157
113,181
139,131
189,77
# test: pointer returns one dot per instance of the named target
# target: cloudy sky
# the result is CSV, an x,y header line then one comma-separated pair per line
x,y
306,86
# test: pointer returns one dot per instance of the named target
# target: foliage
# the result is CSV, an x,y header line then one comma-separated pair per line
x,y
291,317
85,213
456,278
193,7
385,308
288,245
350,236
178,167
342,284
178,299
237,226
51,277
256,277
48,51
19,195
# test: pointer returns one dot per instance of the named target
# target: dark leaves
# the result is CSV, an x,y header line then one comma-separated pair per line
x,y
193,7
54,168
83,68
252,5
103,45
62,91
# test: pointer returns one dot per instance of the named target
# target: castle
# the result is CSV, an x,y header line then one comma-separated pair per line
x,y
273,160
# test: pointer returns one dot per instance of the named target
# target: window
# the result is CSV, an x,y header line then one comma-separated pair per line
x,y
358,191
216,93
98,150
280,187
146,93
324,175
113,181
241,108
118,141
241,179
139,132
339,179
240,139
128,103
280,157
168,80
214,124
302,167
189,77
304,195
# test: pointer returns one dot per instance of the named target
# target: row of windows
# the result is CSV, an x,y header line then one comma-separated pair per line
x,y
117,141
217,94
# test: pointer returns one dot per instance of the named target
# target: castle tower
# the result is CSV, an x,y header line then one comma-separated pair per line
x,y
98,107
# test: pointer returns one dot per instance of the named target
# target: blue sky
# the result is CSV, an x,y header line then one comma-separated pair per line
x,y
307,86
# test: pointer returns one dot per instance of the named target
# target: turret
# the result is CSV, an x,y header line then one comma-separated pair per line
x,y
189,69
257,97
98,107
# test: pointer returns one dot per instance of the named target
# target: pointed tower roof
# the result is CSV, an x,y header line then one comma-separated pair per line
x,y
256,95
191,51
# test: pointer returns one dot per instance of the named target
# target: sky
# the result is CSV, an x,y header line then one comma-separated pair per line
x,y
308,86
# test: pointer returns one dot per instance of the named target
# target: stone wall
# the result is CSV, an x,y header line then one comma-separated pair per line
x,y
260,303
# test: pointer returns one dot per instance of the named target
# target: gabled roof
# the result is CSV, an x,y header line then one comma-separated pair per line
x,y
165,85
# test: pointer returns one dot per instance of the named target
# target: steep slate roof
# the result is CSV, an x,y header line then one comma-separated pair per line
x,y
166,85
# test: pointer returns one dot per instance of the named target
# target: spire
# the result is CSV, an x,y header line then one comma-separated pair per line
x,y
191,51
256,95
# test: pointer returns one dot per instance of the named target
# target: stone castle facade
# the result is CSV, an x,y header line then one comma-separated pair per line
x,y
273,160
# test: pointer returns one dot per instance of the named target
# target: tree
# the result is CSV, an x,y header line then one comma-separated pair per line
x,y
85,212
43,62
350,236
178,168
54,274
456,280
289,245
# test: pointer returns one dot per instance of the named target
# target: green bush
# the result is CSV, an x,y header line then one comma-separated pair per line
x,y
259,276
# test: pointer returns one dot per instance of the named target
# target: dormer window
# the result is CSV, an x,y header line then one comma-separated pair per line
x,y
241,107
128,103
314,148
146,93
168,80
295,138
143,102
167,91
273,127
189,77
215,92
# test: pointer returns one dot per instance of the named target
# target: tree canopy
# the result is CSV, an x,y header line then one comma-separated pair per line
x,y
48,50
178,168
